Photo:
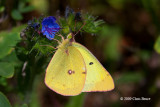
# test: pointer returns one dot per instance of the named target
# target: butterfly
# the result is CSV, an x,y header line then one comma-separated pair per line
x,y
74,69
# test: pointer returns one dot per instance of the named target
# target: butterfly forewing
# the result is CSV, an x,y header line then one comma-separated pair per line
x,y
66,73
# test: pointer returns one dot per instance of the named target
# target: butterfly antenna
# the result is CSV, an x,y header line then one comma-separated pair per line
x,y
80,29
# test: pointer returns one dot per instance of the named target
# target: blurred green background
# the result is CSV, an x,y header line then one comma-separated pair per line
x,y
128,45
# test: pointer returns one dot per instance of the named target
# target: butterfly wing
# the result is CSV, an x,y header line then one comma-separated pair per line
x,y
98,78
66,72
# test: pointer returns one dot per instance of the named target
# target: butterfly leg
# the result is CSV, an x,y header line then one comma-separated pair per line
x,y
49,46
61,37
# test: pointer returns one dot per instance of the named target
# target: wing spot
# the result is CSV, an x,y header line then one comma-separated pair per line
x,y
71,72
108,75
90,63
83,72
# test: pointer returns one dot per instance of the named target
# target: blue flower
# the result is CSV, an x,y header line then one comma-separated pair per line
x,y
50,27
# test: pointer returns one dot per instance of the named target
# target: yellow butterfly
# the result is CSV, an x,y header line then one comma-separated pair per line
x,y
74,69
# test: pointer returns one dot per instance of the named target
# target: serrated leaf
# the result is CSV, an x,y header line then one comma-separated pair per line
x,y
16,15
65,28
70,20
6,69
44,47
98,22
91,25
4,101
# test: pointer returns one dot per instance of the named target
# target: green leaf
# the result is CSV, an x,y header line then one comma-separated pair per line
x,y
76,101
2,8
129,77
91,26
70,19
21,5
113,37
6,69
145,55
27,9
24,105
64,25
41,6
7,42
118,4
12,58
3,81
7,65
16,15
157,45
4,101
98,23
18,29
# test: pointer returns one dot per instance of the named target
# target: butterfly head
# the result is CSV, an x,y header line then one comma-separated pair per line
x,y
67,42
70,37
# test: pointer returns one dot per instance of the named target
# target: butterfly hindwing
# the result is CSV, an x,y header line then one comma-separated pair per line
x,y
98,78
66,72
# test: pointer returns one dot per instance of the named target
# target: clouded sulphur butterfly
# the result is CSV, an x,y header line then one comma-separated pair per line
x,y
74,69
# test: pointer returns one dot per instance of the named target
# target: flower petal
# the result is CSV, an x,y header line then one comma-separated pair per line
x,y
50,27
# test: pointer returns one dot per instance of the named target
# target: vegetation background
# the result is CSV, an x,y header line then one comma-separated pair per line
x,y
128,45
